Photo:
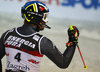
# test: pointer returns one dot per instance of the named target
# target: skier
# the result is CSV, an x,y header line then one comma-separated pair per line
x,y
24,46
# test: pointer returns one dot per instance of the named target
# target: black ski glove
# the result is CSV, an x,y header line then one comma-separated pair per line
x,y
73,34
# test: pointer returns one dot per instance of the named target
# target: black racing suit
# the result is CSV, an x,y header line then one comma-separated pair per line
x,y
0,66
47,48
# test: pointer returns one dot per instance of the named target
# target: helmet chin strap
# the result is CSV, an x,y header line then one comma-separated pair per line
x,y
46,26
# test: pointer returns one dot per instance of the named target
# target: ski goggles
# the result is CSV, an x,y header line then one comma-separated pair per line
x,y
45,17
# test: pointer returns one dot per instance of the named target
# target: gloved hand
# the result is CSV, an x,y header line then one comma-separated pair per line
x,y
73,34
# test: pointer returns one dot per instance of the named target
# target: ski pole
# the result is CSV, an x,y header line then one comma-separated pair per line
x,y
85,67
72,29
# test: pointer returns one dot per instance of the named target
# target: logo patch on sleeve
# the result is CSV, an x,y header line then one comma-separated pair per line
x,y
36,38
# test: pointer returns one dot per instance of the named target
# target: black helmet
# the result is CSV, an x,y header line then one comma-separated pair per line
x,y
35,12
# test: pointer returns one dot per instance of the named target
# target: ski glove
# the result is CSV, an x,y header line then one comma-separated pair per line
x,y
73,34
